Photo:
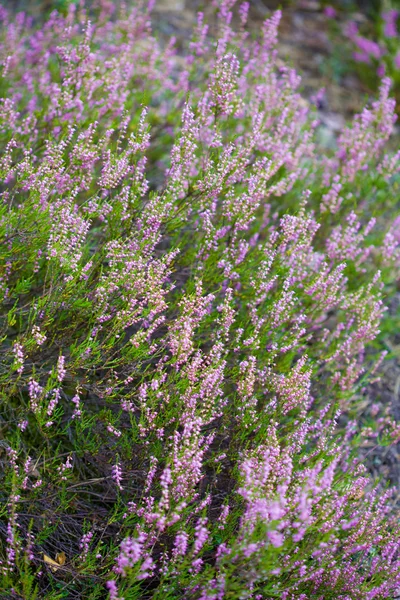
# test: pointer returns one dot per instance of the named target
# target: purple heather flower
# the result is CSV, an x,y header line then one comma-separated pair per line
x,y
351,29
117,475
390,18
113,590
368,47
361,57
381,70
330,12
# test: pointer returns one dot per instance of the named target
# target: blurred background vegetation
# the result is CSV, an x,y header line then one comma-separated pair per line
x,y
42,7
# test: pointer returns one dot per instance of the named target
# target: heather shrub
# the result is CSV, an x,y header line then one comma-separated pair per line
x,y
370,48
191,299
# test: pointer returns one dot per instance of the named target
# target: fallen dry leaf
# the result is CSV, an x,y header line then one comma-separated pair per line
x,y
55,564
61,558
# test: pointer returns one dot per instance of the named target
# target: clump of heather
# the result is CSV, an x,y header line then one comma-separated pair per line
x,y
191,299
372,47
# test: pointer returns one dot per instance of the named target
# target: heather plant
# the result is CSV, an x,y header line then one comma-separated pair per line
x,y
191,300
371,48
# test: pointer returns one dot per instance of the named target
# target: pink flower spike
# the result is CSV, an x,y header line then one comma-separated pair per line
x,y
330,12
360,57
350,29
368,47
381,70
390,18
117,475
